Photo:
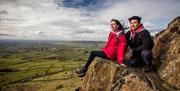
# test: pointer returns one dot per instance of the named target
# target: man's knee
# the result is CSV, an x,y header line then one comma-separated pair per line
x,y
147,54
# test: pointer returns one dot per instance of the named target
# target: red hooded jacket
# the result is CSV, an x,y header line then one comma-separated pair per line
x,y
110,49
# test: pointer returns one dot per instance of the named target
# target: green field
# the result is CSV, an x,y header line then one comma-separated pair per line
x,y
43,65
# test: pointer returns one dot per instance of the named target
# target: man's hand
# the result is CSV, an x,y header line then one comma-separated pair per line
x,y
131,52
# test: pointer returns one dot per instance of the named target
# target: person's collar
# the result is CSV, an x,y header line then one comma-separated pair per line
x,y
139,29
115,31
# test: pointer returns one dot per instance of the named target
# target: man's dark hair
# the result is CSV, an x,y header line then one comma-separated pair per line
x,y
136,18
118,23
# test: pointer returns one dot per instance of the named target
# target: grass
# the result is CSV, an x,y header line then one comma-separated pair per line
x,y
27,68
30,69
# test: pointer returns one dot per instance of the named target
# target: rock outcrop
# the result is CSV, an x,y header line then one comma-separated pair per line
x,y
108,76
105,75
167,54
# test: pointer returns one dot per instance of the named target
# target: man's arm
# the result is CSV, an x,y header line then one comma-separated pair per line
x,y
147,42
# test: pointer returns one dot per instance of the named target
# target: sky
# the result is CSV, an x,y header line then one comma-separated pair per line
x,y
80,20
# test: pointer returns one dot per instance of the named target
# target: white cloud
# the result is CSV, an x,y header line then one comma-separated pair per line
x,y
42,19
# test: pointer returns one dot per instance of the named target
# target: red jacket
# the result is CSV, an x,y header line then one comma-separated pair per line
x,y
110,47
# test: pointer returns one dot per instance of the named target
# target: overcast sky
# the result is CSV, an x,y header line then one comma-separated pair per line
x,y
79,19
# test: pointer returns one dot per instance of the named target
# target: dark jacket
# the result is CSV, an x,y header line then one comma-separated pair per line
x,y
141,41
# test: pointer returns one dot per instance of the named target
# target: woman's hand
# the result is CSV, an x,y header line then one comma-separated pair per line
x,y
123,65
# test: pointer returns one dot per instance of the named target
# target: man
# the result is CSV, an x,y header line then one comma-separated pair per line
x,y
141,44
114,49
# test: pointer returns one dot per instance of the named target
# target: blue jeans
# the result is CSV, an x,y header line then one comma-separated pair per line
x,y
141,58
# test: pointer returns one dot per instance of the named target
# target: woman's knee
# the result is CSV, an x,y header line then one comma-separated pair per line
x,y
93,52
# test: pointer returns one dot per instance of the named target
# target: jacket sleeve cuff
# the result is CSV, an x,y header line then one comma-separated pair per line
x,y
135,50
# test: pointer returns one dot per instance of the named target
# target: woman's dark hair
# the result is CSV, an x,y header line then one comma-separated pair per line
x,y
136,18
118,23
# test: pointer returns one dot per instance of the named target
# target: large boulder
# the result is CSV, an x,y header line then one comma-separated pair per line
x,y
167,54
104,75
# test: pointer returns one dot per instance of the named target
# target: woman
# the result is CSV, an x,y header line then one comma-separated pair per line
x,y
114,49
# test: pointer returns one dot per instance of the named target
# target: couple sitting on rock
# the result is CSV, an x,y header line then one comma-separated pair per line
x,y
138,38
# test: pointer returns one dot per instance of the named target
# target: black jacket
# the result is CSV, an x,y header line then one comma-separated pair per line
x,y
141,41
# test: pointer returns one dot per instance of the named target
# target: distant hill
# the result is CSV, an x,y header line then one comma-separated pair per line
x,y
7,42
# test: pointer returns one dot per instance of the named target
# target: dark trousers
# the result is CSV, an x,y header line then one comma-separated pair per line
x,y
93,55
141,58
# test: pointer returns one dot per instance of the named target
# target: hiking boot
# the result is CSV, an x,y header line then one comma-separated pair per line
x,y
82,75
81,71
